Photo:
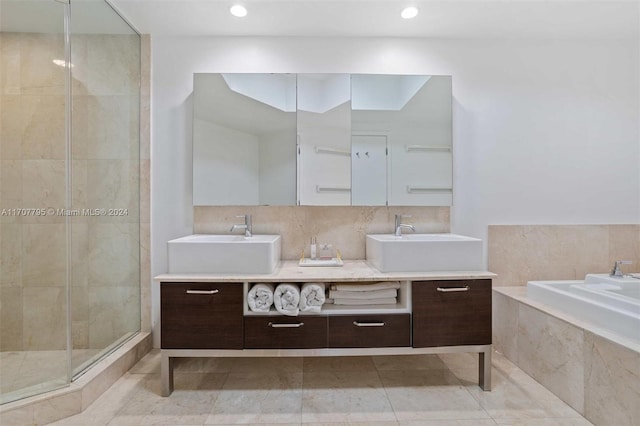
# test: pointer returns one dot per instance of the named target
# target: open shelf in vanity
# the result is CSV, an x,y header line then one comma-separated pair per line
x,y
437,312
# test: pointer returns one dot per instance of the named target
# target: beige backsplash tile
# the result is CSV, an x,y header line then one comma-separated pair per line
x,y
343,227
624,244
521,253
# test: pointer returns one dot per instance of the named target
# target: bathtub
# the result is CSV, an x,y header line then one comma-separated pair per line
x,y
612,303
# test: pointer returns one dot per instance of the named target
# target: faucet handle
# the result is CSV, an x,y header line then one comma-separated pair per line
x,y
616,271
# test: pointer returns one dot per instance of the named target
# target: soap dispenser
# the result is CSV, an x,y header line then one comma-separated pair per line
x,y
312,248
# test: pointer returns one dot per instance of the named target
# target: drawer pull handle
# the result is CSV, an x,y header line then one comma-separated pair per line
x,y
202,291
298,325
368,324
450,289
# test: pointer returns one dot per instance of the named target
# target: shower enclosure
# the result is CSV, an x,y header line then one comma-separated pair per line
x,y
69,190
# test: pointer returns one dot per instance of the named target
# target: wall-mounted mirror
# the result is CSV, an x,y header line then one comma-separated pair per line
x,y
324,139
362,139
244,139
401,140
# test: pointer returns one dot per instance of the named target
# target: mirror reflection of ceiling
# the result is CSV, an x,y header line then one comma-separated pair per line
x,y
274,90
217,103
385,92
320,93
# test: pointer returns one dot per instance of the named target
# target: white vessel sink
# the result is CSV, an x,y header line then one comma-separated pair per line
x,y
424,252
233,254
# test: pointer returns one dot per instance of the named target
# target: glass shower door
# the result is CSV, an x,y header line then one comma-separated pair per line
x,y
105,145
34,354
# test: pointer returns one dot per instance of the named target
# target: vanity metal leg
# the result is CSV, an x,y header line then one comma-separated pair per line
x,y
166,374
484,369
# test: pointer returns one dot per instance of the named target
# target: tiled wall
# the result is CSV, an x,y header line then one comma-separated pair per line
x,y
344,227
522,253
592,372
107,172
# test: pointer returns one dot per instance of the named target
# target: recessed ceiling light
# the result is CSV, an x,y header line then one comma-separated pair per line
x,y
409,12
238,10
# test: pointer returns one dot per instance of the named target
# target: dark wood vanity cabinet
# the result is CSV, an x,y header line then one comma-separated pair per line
x,y
451,313
369,331
282,332
201,316
432,316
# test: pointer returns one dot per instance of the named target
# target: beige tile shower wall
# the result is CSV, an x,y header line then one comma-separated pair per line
x,y
522,253
343,227
107,171
32,152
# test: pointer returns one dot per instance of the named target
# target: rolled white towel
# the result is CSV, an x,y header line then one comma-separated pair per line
x,y
366,287
260,297
312,297
286,298
373,294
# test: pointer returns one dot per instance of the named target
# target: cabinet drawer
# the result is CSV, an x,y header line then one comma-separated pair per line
x,y
282,332
451,313
364,331
201,315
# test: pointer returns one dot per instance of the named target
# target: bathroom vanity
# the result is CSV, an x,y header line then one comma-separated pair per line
x,y
206,315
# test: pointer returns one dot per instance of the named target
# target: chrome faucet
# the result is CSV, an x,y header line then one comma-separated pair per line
x,y
246,226
616,271
399,225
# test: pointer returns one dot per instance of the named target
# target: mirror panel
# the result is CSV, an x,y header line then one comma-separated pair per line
x,y
324,139
244,138
409,115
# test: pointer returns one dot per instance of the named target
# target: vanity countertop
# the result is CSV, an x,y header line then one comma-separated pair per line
x,y
353,270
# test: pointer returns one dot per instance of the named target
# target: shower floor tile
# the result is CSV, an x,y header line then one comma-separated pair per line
x,y
32,372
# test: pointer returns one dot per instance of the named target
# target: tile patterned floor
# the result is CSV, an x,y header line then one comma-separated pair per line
x,y
426,390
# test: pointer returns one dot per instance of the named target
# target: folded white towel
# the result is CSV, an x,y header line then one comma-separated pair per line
x,y
373,294
312,297
260,297
366,287
386,301
286,298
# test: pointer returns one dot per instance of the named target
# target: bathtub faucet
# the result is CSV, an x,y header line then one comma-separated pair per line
x,y
616,271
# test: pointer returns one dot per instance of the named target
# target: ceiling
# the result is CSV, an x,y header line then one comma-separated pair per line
x,y
380,18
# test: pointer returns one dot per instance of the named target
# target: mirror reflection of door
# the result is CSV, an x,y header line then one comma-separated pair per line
x,y
369,170
414,113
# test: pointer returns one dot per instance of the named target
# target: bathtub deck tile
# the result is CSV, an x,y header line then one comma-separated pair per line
x,y
550,351
612,381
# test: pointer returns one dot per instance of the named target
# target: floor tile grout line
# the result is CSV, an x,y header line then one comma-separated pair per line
x,y
384,388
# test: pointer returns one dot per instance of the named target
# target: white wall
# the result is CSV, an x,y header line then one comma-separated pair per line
x,y
545,131
277,184
224,156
